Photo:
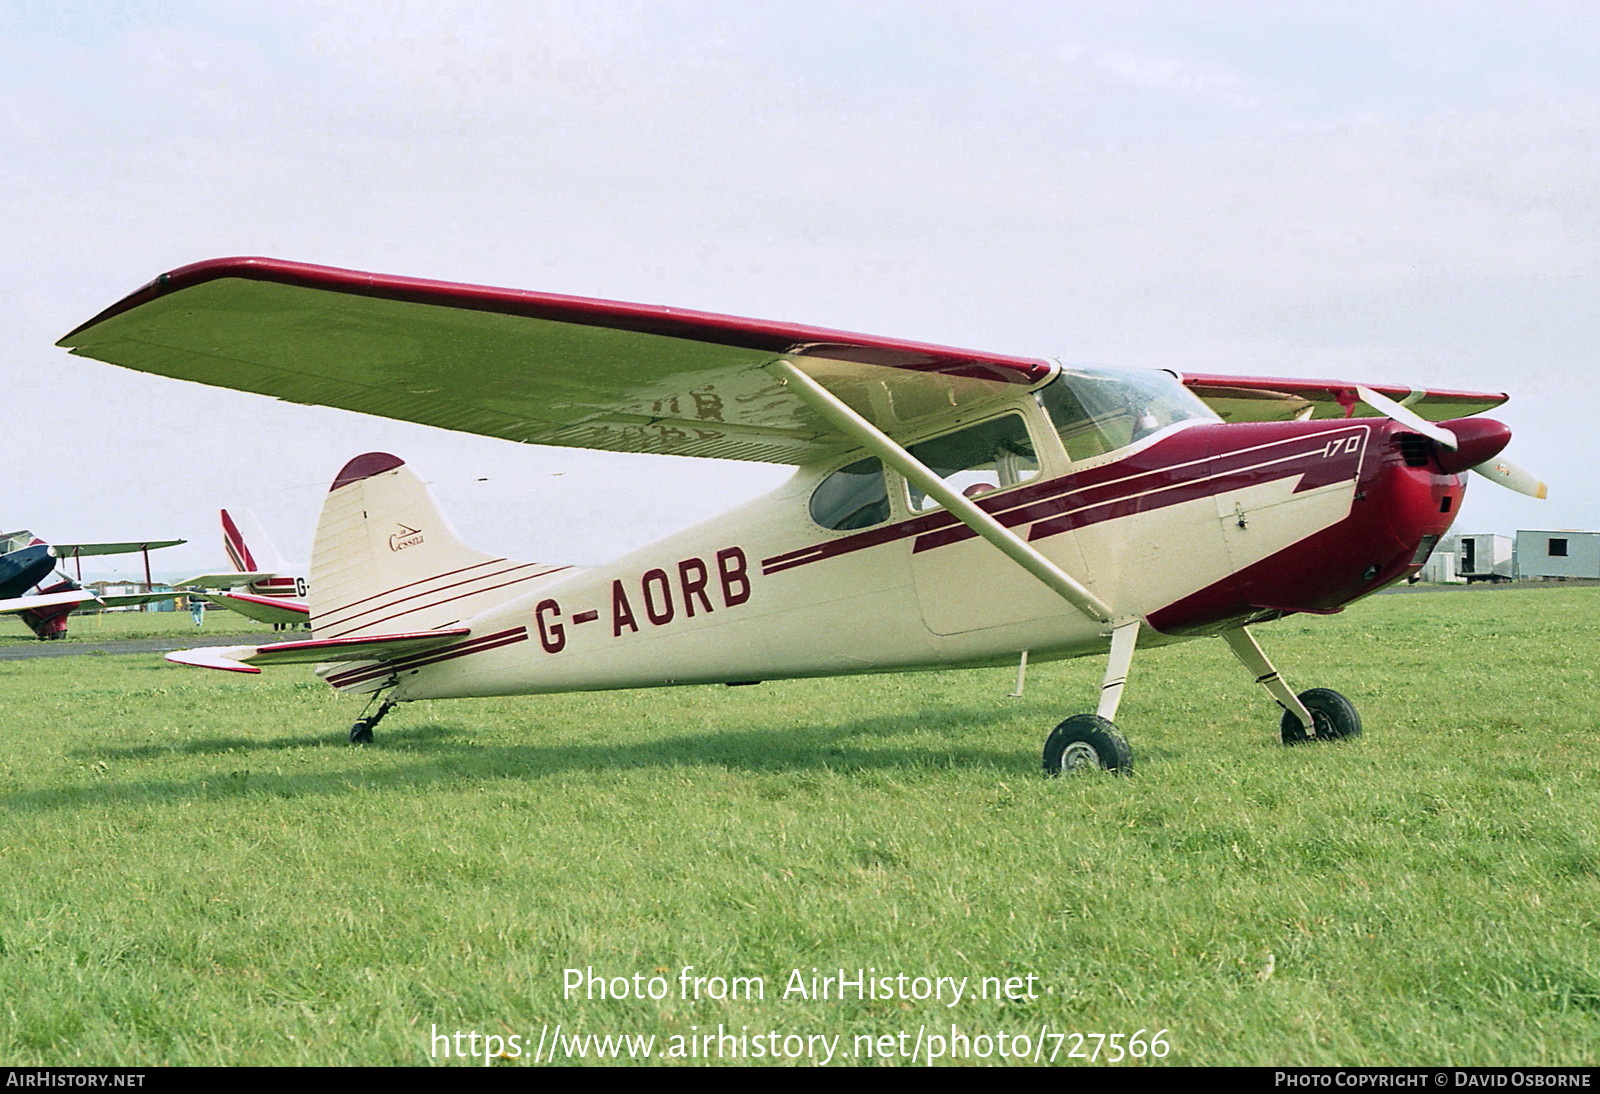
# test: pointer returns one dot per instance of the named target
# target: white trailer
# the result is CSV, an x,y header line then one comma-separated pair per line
x,y
1558,554
1486,557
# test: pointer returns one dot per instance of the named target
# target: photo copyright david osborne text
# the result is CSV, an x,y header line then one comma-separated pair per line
x,y
926,1043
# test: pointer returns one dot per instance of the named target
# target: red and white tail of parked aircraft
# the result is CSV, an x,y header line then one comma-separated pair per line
x,y
949,507
273,590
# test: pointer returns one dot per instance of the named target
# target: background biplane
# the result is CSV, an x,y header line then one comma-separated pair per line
x,y
32,588
949,508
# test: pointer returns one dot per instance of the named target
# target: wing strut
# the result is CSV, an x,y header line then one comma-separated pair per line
x,y
874,440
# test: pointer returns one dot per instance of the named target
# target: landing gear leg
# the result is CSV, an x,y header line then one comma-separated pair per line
x,y
1087,741
1319,714
361,732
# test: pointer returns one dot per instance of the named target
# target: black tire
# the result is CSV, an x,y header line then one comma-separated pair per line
x,y
1335,716
1086,741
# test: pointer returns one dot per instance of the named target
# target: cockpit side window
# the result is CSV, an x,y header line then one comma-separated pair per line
x,y
992,455
852,497
1100,410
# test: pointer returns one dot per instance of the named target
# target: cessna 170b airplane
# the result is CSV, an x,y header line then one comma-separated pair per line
x,y
950,508
272,593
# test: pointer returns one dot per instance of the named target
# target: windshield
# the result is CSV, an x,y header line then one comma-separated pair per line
x,y
14,541
1100,410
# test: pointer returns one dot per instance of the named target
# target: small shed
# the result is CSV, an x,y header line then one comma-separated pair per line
x,y
1440,569
1556,555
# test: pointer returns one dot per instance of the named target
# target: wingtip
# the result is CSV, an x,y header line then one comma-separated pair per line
x,y
216,657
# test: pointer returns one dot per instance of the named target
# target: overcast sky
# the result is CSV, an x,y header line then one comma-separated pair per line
x,y
1375,192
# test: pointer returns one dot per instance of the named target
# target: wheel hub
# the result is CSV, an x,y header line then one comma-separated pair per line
x,y
1079,755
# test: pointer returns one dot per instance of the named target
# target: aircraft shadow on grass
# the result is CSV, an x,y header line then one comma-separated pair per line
x,y
442,755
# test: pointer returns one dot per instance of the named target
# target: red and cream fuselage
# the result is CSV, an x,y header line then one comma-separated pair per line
x,y
951,507
1196,529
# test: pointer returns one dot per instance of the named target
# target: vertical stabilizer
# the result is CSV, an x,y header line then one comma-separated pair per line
x,y
248,547
386,560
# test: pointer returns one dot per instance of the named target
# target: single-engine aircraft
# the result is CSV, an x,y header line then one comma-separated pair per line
x,y
950,507
28,562
273,591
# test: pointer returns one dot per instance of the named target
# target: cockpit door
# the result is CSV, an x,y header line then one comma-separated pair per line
x,y
963,583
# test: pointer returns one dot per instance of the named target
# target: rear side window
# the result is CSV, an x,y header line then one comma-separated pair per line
x,y
852,497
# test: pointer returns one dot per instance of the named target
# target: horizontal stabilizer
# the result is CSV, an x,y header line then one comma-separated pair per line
x,y
377,647
215,657
263,609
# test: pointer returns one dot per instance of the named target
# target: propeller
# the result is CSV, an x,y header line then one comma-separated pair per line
x,y
1469,444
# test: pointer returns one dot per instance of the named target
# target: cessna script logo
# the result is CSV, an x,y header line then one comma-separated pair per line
x,y
405,537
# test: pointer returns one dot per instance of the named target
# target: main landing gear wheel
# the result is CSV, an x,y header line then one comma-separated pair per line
x,y
1335,716
361,732
1085,742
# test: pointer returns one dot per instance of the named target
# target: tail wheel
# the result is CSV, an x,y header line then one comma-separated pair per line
x,y
1087,742
1335,716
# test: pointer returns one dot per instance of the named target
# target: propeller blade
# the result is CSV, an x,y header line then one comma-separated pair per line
x,y
1512,477
1405,416
1498,469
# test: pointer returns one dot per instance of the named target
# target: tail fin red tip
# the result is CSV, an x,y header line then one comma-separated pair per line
x,y
364,467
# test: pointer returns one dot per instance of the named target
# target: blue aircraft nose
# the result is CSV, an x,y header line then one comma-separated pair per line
x,y
22,570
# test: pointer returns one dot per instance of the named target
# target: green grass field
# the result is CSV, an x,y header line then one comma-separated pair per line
x,y
111,626
199,870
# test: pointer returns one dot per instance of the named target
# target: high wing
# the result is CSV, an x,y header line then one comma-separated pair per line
x,y
532,367
1268,399
84,550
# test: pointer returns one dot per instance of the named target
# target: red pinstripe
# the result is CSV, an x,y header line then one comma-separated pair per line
x,y
430,592
429,657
